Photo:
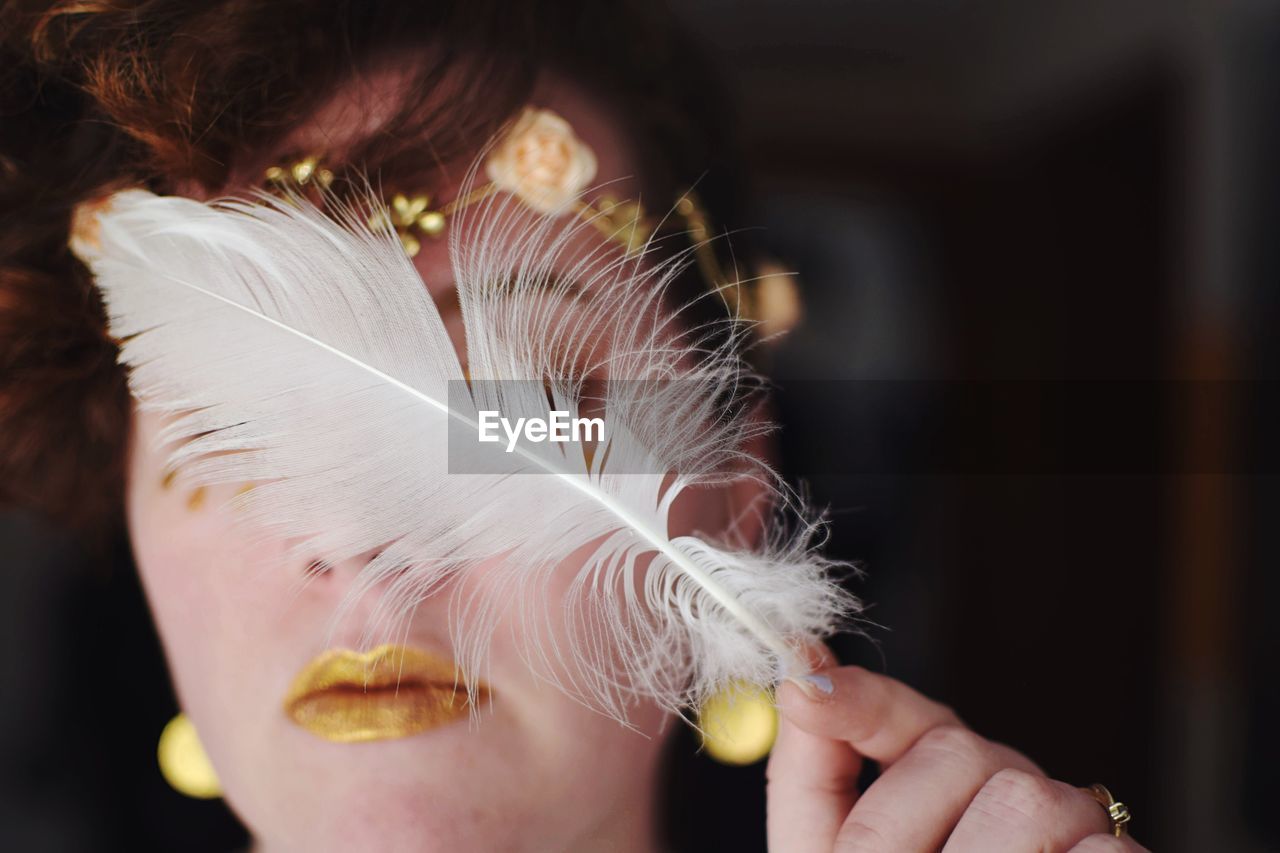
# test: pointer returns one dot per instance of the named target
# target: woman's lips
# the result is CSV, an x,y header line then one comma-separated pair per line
x,y
389,692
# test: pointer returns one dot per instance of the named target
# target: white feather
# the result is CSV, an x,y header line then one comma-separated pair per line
x,y
302,352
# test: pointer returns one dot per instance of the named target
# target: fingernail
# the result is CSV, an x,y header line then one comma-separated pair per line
x,y
816,687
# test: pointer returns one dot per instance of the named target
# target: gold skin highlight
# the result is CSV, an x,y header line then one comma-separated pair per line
x,y
389,692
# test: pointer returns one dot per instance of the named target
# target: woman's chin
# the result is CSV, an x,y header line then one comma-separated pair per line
x,y
313,793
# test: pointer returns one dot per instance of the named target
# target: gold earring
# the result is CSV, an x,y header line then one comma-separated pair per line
x,y
739,724
183,761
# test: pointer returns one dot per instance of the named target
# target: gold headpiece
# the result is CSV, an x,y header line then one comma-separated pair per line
x,y
542,162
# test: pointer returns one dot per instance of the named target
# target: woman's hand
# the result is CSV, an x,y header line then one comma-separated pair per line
x,y
941,786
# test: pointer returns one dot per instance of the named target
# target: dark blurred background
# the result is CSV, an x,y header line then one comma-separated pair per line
x,y
1032,388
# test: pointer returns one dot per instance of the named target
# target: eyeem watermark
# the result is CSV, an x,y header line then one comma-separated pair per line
x,y
558,426
517,426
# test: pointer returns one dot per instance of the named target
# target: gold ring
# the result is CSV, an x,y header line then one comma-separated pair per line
x,y
1117,812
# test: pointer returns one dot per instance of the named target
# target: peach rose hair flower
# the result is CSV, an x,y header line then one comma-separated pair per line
x,y
542,162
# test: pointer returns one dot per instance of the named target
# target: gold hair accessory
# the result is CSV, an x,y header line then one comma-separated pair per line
x,y
774,299
303,174
412,216
622,221
86,230
542,162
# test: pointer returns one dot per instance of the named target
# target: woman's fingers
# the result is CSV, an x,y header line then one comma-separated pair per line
x,y
941,784
879,717
916,802
1018,810
812,785
838,716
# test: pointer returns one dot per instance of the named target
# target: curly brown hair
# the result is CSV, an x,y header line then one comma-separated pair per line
x,y
168,93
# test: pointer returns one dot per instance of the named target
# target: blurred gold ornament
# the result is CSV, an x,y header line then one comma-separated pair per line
x,y
739,724
775,300
183,761
432,223
622,221
86,230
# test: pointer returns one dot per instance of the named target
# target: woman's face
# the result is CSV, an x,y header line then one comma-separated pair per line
x,y
534,770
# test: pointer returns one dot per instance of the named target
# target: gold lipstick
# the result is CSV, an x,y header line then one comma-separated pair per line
x,y
389,692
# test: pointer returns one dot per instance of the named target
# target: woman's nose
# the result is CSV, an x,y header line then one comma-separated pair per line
x,y
362,599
